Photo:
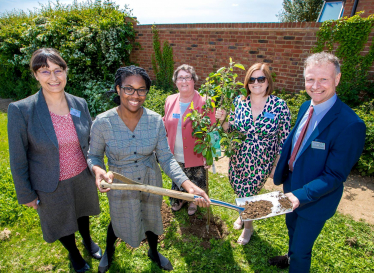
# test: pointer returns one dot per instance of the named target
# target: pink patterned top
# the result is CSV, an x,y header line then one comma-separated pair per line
x,y
72,161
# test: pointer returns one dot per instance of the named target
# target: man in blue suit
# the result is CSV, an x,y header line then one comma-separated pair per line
x,y
319,153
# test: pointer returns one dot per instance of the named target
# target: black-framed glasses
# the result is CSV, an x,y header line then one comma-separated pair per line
x,y
181,79
261,79
130,91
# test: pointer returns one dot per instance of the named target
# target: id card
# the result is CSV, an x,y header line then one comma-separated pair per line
x,y
318,145
269,115
175,115
75,112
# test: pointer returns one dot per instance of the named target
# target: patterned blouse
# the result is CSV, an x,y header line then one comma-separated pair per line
x,y
253,161
72,161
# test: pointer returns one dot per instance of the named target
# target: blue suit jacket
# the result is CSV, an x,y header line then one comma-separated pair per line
x,y
33,147
318,175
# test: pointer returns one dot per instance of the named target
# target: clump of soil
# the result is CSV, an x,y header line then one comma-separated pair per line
x,y
257,209
351,241
285,203
198,228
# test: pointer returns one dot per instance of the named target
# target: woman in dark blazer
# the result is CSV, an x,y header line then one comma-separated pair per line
x,y
48,142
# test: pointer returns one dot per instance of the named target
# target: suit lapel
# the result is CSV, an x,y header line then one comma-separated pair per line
x,y
76,120
329,117
45,117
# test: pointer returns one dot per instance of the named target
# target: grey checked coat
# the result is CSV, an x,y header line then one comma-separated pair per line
x,y
132,154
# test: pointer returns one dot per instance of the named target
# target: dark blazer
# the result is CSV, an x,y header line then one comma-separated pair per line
x,y
33,146
318,175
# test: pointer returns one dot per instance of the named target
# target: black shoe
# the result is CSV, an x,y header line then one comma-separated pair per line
x,y
281,262
163,262
78,268
106,261
97,254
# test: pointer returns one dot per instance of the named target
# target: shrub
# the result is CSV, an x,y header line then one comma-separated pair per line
x,y
162,63
94,38
349,37
366,162
98,99
156,100
294,101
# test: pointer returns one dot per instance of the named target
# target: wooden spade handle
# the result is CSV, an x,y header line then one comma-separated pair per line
x,y
151,189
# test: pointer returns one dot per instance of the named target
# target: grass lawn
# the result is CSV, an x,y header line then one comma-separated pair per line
x,y
343,246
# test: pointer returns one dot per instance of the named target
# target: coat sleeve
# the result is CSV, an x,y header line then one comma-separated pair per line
x,y
344,153
97,146
18,146
167,161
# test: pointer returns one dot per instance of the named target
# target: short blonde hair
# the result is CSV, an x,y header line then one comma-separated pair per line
x,y
264,68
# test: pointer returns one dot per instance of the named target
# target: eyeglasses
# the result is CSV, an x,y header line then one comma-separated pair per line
x,y
261,79
47,73
181,79
130,91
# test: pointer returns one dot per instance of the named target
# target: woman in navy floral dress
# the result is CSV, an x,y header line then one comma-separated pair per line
x,y
265,121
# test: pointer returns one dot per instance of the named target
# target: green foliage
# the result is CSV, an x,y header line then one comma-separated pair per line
x,y
294,101
156,100
220,90
365,164
97,99
348,37
94,38
162,62
300,10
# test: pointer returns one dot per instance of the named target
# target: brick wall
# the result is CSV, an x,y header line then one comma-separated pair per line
x,y
363,5
208,47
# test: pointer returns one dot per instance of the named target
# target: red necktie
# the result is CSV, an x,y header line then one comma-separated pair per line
x,y
300,139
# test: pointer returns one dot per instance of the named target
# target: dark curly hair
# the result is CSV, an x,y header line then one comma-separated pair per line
x,y
127,71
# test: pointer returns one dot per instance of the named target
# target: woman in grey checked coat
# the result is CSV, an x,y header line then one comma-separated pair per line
x,y
130,136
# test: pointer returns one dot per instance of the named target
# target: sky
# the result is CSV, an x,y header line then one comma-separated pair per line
x,y
176,11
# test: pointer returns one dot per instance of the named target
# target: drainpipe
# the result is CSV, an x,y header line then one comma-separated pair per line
x,y
354,8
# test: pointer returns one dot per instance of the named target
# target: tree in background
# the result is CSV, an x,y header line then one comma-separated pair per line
x,y
300,10
162,62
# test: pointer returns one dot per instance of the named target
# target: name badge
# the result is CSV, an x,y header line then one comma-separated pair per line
x,y
175,115
269,115
75,112
318,145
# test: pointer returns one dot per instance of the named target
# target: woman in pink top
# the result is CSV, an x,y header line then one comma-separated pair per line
x,y
179,131
48,143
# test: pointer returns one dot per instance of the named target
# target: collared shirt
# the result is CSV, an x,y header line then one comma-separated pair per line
x,y
319,112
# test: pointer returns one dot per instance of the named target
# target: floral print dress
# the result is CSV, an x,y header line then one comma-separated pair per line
x,y
253,160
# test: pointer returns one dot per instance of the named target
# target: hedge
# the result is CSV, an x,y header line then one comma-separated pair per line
x,y
94,38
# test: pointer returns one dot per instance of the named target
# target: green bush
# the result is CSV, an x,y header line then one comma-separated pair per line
x,y
162,63
366,162
156,100
348,37
294,101
97,99
94,38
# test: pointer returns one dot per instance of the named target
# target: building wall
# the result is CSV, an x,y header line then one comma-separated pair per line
x,y
363,5
208,47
